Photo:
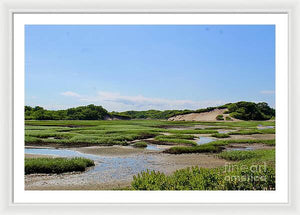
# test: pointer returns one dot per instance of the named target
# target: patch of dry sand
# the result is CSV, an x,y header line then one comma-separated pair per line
x,y
38,156
109,150
206,116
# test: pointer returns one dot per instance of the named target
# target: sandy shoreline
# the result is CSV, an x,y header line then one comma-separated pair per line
x,y
117,175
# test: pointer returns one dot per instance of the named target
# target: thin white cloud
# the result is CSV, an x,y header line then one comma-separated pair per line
x,y
267,92
117,102
55,106
70,93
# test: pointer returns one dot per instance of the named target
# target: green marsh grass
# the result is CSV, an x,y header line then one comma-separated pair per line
x,y
140,144
237,155
196,131
214,147
253,131
176,141
237,176
196,178
241,124
89,133
242,141
220,135
218,127
122,132
177,136
205,148
56,165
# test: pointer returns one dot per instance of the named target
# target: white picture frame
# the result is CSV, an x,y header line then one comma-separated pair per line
x,y
11,207
280,195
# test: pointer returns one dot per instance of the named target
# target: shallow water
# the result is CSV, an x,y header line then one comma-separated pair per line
x,y
204,140
106,168
225,131
150,147
264,127
153,148
59,152
240,149
111,171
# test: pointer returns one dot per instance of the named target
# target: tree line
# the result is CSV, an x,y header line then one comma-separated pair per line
x,y
89,112
239,110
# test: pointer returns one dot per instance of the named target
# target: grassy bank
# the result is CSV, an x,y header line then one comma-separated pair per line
x,y
215,146
254,171
253,131
242,141
195,149
194,131
140,144
56,165
220,135
165,139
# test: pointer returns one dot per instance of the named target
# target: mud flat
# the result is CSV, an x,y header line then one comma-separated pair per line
x,y
38,156
116,168
253,137
242,147
120,150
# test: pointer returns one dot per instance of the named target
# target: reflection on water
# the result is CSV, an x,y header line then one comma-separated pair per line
x,y
240,149
225,131
106,168
204,140
59,152
264,127
153,147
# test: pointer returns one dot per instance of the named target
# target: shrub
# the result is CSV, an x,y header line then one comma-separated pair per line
x,y
237,155
196,178
89,112
219,117
244,178
251,111
228,118
240,110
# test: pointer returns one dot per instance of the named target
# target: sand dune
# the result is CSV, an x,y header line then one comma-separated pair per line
x,y
207,116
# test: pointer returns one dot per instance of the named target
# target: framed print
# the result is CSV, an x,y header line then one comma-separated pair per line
x,y
154,108
94,124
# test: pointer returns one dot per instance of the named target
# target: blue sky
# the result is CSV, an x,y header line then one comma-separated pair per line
x,y
133,67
